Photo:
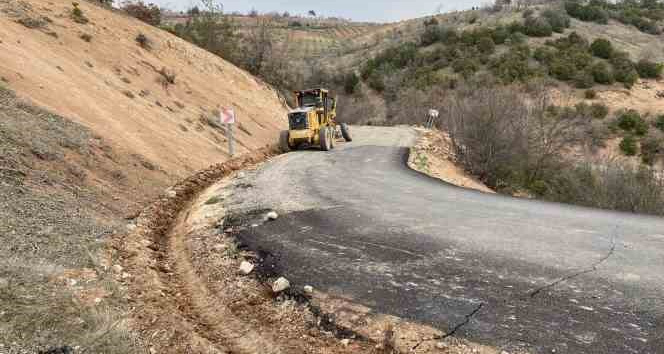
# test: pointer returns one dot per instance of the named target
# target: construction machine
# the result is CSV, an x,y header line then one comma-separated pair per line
x,y
313,122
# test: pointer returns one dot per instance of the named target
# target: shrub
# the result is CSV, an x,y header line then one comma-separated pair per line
x,y
166,77
376,82
500,35
486,45
602,48
648,69
513,65
599,110
582,109
528,12
627,119
538,27
628,146
602,74
545,54
650,148
465,66
641,127
431,35
77,14
86,37
590,12
659,122
558,20
144,41
590,94
516,38
350,83
623,69
148,13
583,80
562,69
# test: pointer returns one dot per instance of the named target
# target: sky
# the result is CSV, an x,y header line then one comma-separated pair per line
x,y
362,10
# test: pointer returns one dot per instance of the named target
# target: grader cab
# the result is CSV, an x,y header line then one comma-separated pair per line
x,y
313,122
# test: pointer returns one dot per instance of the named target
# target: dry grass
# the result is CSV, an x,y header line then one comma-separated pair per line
x,y
56,284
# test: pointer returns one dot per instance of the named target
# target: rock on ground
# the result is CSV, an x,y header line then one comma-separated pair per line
x,y
280,285
246,267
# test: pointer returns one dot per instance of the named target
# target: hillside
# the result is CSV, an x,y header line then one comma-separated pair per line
x,y
113,86
93,126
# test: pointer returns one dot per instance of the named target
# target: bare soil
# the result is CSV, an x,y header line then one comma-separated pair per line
x,y
433,155
116,88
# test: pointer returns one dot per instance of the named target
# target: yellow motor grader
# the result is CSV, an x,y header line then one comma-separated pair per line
x,y
313,122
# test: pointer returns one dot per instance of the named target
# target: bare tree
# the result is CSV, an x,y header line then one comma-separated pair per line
x,y
506,137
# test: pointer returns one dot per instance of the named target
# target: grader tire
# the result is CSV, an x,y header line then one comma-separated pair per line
x,y
283,141
345,132
333,136
324,136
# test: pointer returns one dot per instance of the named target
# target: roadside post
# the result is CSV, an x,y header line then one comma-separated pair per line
x,y
431,118
227,118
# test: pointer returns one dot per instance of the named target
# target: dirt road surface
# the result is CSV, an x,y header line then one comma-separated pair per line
x,y
513,273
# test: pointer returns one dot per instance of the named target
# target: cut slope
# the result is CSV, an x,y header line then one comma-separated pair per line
x,y
113,86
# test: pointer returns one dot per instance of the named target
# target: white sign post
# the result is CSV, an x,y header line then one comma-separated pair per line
x,y
227,117
431,118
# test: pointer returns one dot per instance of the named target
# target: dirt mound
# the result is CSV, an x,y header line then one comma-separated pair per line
x,y
156,100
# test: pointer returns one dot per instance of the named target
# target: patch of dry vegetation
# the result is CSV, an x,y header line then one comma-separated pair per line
x,y
56,284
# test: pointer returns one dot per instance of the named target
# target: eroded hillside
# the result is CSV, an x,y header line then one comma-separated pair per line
x,y
93,71
94,124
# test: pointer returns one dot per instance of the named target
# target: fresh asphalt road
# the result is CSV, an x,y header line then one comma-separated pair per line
x,y
547,277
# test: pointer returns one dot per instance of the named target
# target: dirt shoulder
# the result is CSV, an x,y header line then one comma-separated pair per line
x,y
433,155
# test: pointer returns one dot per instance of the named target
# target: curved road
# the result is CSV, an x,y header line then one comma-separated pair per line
x,y
541,276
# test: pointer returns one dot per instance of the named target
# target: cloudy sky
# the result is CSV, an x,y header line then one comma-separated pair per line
x,y
362,10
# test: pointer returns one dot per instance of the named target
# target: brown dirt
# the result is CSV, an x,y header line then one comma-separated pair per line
x,y
191,300
87,82
433,155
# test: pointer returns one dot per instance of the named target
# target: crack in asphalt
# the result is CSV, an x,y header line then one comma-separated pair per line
x,y
455,329
465,321
579,273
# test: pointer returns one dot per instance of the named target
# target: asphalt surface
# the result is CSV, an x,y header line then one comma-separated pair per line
x,y
508,272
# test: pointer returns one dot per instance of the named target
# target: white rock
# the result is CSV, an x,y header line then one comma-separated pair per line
x,y
126,275
73,282
345,342
280,285
308,289
504,352
219,247
229,230
272,215
441,345
117,268
171,193
246,267
131,227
